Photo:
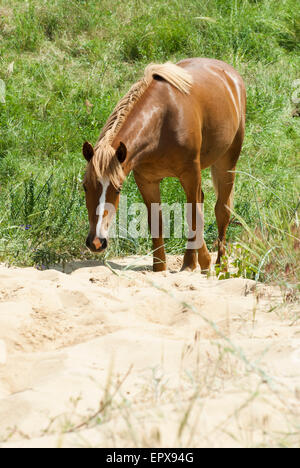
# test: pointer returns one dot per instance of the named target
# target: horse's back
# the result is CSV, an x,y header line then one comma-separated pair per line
x,y
216,84
218,97
200,64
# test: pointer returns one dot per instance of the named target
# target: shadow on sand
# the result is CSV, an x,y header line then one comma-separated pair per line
x,y
135,265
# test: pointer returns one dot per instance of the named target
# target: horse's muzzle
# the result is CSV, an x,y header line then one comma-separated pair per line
x,y
96,245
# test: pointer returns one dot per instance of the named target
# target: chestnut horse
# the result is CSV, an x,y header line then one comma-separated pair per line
x,y
174,122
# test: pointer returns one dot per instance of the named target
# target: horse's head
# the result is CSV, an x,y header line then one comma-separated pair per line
x,y
102,185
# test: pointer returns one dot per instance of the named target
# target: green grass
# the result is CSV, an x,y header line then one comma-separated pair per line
x,y
56,55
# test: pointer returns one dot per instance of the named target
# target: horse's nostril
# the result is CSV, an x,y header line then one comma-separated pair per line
x,y
103,243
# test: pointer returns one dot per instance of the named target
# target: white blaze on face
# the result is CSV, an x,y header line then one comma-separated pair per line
x,y
101,232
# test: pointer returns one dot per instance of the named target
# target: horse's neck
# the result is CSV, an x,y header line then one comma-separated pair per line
x,y
141,132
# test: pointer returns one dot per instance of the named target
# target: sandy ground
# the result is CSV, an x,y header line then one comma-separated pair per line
x,y
107,357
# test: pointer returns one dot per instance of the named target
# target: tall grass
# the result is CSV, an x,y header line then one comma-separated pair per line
x,y
56,56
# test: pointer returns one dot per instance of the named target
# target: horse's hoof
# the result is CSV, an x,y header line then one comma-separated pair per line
x,y
188,268
159,267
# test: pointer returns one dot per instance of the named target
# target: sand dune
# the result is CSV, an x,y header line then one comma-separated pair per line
x,y
168,359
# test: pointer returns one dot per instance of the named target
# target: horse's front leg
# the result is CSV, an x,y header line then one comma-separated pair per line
x,y
150,192
196,247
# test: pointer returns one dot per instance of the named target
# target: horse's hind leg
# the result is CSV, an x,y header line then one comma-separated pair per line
x,y
196,248
204,257
223,174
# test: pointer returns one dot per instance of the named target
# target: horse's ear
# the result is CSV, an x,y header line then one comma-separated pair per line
x,y
121,152
88,151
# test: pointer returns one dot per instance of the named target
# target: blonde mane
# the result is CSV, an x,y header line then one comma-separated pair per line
x,y
104,162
